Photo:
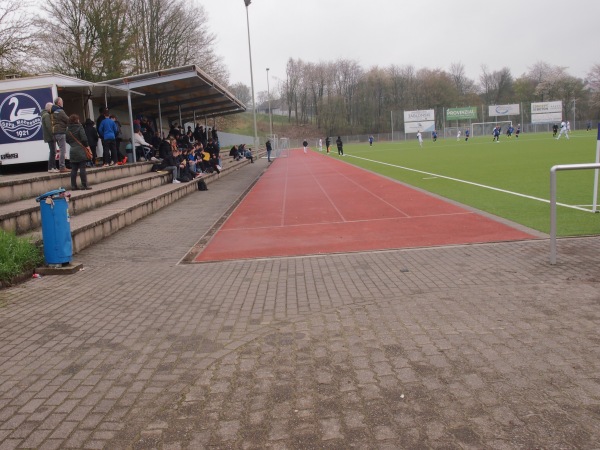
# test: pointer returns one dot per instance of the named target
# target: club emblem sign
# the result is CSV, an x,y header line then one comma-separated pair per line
x,y
20,117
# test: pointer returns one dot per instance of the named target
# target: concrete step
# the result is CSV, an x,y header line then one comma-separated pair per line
x,y
23,216
14,188
95,224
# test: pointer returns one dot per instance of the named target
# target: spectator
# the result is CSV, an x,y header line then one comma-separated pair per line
x,y
108,131
203,138
211,148
143,150
191,157
198,133
172,163
92,137
49,137
269,149
215,163
164,149
234,153
248,154
118,140
204,160
156,140
102,110
60,120
77,139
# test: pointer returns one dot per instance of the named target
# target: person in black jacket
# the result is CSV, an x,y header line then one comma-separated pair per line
x,y
76,137
328,143
340,146
174,164
305,145
269,149
92,138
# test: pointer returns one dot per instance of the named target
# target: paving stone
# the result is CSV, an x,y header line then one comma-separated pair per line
x,y
474,347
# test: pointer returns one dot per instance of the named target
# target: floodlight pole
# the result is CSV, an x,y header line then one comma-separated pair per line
x,y
595,195
270,113
247,3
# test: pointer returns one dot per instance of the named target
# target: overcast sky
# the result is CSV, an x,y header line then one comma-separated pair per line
x,y
422,33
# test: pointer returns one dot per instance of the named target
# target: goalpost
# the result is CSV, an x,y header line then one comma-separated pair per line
x,y
486,128
283,147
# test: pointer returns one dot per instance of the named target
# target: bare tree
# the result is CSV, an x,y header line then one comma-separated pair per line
x,y
497,86
463,84
594,85
241,92
172,33
292,83
16,30
84,39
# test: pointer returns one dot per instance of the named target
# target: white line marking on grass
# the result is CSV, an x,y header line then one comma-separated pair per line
x,y
430,178
543,200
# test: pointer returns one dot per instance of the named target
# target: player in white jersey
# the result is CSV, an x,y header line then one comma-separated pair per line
x,y
458,136
420,138
563,130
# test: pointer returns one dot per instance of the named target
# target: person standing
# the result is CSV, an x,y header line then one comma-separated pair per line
x,y
467,134
589,125
119,139
419,137
305,145
518,132
60,120
371,140
49,137
340,146
563,130
328,144
458,136
568,126
320,144
108,130
77,139
269,149
554,130
92,137
434,135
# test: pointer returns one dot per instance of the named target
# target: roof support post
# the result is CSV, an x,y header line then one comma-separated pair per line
x,y
131,123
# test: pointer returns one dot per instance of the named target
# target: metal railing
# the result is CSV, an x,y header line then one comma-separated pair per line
x,y
553,171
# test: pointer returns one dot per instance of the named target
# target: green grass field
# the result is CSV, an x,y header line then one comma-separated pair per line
x,y
520,166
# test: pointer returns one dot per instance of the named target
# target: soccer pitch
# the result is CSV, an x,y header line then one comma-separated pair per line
x,y
510,179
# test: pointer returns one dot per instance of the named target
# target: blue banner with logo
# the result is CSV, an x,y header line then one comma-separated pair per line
x,y
21,115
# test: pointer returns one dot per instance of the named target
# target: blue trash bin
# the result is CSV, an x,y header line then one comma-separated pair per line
x,y
56,227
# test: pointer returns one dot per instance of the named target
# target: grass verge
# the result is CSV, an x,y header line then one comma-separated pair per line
x,y
17,256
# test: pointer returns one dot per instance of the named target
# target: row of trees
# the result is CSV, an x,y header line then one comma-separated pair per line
x,y
98,40
341,96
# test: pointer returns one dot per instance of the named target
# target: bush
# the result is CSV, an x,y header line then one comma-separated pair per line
x,y
17,256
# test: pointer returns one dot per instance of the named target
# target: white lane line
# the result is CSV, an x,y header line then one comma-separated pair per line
x,y
530,197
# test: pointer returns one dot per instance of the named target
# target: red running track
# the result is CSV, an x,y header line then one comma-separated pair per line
x,y
309,204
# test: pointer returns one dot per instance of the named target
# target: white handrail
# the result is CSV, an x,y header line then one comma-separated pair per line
x,y
553,171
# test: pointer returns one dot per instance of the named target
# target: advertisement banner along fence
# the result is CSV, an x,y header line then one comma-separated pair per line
x,y
466,113
504,110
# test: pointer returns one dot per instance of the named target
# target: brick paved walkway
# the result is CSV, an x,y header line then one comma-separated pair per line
x,y
482,346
